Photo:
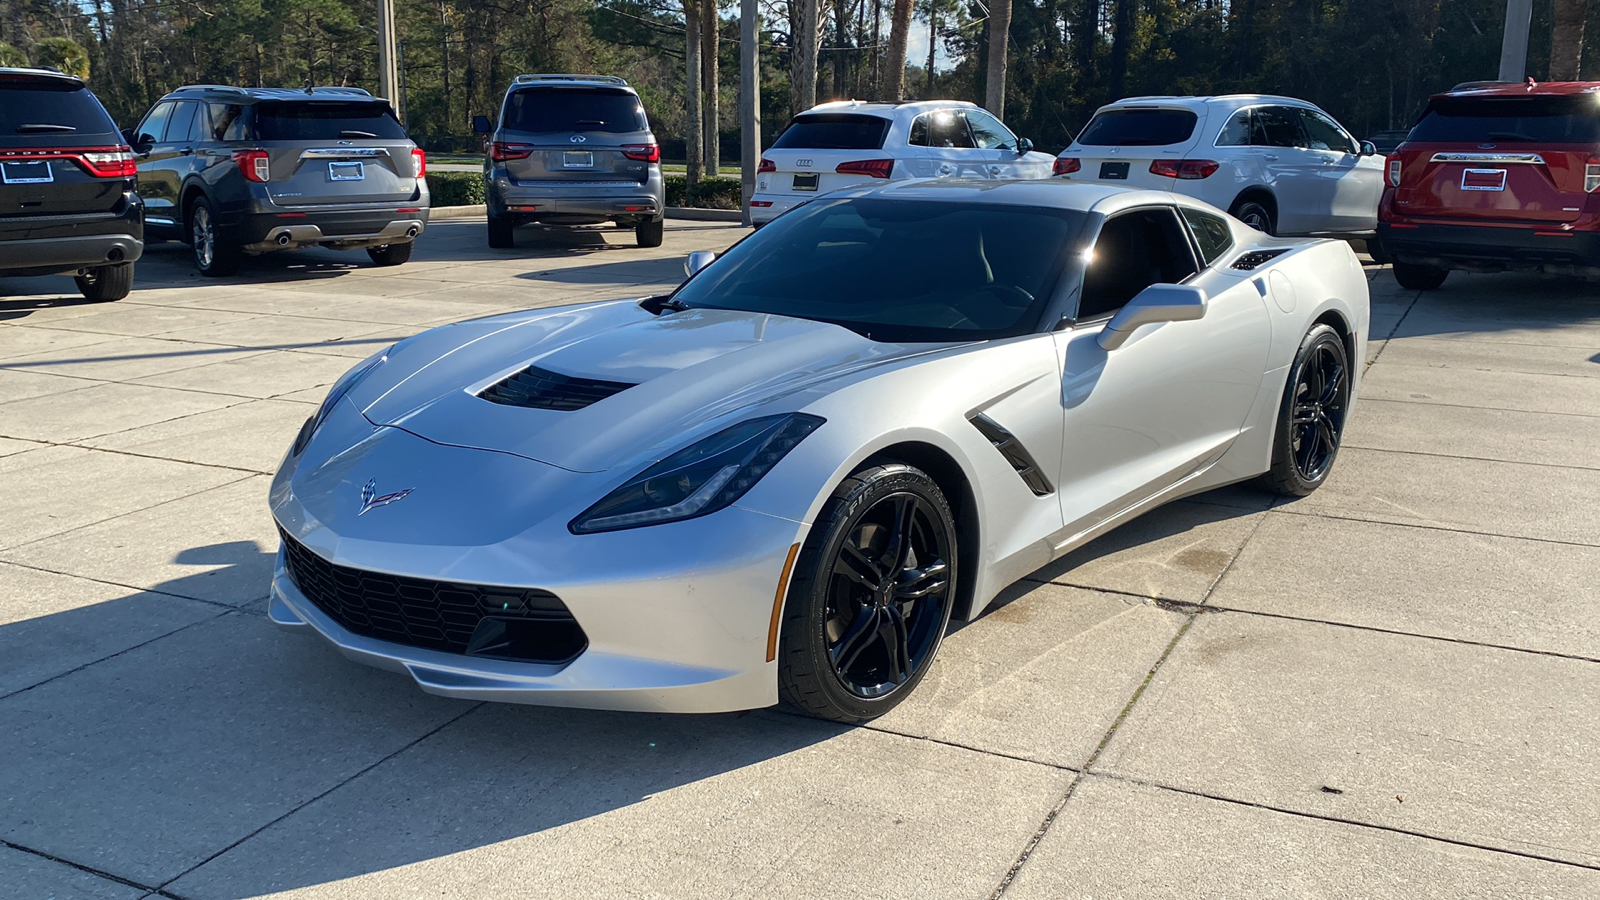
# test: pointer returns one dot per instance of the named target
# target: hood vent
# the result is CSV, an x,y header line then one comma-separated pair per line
x,y
1256,258
538,388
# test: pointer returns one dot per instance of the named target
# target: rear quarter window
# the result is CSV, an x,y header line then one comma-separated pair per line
x,y
1211,233
31,111
547,110
325,121
1139,128
834,131
1511,120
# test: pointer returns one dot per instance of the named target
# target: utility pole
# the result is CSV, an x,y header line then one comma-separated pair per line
x,y
1514,49
749,100
388,67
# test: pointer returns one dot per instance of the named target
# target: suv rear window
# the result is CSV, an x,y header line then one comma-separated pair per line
x,y
834,131
45,108
548,110
1511,120
325,121
1139,128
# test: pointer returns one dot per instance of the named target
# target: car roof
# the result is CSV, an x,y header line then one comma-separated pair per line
x,y
569,80
238,94
1050,193
21,73
1522,89
886,109
1198,103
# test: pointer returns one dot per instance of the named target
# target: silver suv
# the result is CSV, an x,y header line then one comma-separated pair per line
x,y
572,150
237,172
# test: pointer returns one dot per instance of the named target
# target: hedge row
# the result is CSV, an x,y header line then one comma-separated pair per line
x,y
466,189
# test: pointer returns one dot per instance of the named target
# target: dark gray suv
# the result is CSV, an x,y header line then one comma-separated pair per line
x,y
244,171
573,150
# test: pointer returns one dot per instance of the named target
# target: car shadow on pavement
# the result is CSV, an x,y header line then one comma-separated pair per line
x,y
1499,307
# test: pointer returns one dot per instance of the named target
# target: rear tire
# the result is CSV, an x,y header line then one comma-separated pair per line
x,y
212,255
650,234
391,254
1311,417
105,283
1255,214
1417,277
871,598
500,237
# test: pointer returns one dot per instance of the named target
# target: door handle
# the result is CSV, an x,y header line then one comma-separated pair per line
x,y
186,151
1269,157
994,170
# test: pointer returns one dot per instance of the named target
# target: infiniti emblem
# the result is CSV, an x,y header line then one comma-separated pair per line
x,y
578,139
370,500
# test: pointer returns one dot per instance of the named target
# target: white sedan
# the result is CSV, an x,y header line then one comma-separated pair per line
x,y
836,145
1280,165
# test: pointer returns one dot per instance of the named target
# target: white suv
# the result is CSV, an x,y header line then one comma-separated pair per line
x,y
1281,165
848,142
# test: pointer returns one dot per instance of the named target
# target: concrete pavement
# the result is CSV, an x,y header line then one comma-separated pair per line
x,y
1387,689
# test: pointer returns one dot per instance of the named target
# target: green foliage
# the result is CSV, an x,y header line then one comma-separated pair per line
x,y
710,193
11,56
64,54
455,188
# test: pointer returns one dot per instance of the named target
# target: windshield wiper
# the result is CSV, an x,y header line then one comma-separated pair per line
x,y
661,304
350,132
36,128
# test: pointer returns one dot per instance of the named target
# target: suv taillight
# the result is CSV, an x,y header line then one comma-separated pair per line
x,y
500,151
1066,165
874,168
420,161
1394,171
109,162
254,165
767,165
1185,169
642,152
1591,176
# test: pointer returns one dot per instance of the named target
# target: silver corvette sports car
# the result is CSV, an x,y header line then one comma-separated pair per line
x,y
780,481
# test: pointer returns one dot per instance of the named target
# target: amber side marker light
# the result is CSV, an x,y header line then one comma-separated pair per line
x,y
777,603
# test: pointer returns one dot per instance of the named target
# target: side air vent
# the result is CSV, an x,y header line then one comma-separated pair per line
x,y
538,388
1255,258
1016,454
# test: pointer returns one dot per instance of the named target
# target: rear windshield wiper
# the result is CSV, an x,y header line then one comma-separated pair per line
x,y
36,128
353,133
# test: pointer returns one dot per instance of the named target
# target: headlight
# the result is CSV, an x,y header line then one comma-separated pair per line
x,y
703,478
340,388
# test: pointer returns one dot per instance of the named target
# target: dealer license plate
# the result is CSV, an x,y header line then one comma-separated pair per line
x,y
578,159
33,171
1114,170
346,171
806,182
1483,180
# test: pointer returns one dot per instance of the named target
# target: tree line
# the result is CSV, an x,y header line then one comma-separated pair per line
x,y
1044,64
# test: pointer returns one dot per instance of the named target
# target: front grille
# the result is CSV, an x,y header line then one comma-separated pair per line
x,y
1255,258
543,389
521,624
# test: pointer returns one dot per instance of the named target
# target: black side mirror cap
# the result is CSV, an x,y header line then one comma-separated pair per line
x,y
480,125
1024,146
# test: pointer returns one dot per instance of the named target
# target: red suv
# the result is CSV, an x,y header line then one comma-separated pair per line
x,y
1495,177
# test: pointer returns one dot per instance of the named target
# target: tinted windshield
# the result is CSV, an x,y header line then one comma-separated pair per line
x,y
1139,128
543,110
39,110
897,270
1511,120
324,121
832,131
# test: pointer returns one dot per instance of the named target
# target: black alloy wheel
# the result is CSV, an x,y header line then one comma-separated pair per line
x,y
871,597
1256,215
1311,421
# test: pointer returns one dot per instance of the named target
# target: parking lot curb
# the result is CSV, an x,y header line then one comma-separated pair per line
x,y
673,212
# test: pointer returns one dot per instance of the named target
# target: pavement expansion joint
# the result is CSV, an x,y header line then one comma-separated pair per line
x,y
1490,459
248,474
20,848
1429,526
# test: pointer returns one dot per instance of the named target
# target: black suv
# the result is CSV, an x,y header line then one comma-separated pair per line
x,y
244,171
67,200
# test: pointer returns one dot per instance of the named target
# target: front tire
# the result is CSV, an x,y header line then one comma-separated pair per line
x,y
650,234
871,596
390,254
1311,417
213,256
102,284
1417,277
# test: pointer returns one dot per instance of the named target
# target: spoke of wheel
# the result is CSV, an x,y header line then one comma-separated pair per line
x,y
1308,448
897,639
1304,413
858,637
915,584
905,511
858,567
1330,387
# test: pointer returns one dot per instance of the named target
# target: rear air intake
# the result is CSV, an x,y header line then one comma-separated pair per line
x,y
538,388
1255,258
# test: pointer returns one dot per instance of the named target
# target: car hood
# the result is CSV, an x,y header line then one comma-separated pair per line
x,y
689,371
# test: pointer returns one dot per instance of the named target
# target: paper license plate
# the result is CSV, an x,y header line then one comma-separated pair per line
x,y
578,159
807,182
34,171
1483,180
1117,170
346,171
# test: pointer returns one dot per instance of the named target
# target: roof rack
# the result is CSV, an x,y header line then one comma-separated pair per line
x,y
608,79
209,87
1474,85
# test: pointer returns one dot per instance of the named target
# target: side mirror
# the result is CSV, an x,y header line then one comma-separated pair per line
x,y
698,260
1156,303
1024,146
1368,148
480,125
